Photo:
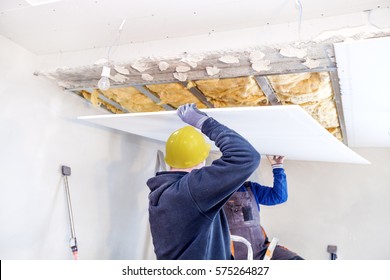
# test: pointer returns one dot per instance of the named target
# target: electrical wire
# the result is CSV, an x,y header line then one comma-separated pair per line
x,y
115,42
298,5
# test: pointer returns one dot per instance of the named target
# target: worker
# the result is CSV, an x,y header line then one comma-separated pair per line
x,y
185,202
242,211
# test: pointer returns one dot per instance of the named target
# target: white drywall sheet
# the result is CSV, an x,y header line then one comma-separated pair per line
x,y
280,130
363,68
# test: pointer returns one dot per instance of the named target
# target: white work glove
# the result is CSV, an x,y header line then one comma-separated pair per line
x,y
191,115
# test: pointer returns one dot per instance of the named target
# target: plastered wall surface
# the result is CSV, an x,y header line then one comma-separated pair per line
x,y
39,133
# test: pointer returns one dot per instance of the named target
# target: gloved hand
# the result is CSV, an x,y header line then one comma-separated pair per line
x,y
191,115
275,159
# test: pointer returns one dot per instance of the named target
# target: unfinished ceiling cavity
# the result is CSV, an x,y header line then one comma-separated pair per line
x,y
312,91
303,74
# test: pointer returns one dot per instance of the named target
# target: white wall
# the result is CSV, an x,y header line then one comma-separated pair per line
x,y
39,133
333,204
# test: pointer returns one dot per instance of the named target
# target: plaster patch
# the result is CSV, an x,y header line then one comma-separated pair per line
x,y
182,69
193,58
119,78
192,64
180,76
147,77
211,71
121,70
289,51
140,66
256,55
261,65
229,59
163,66
310,63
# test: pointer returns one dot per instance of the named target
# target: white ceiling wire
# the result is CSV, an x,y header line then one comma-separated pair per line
x,y
115,42
299,6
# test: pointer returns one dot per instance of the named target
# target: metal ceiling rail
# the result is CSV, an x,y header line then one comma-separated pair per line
x,y
334,78
154,98
107,100
198,94
80,85
92,85
267,89
297,71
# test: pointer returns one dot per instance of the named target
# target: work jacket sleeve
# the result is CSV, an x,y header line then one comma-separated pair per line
x,y
211,186
271,196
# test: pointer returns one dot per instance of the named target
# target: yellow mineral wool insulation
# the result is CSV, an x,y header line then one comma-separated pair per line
x,y
132,100
95,100
324,112
112,108
232,92
336,132
174,94
302,88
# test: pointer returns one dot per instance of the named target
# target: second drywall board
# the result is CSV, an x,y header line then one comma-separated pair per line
x,y
275,130
363,68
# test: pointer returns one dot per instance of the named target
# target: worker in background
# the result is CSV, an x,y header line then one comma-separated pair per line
x,y
242,211
185,203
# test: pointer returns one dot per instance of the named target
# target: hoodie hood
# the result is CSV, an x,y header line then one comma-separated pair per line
x,y
161,182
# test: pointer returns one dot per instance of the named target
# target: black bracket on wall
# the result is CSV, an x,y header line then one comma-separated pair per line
x,y
332,250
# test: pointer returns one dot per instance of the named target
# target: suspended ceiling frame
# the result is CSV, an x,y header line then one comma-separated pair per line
x,y
86,78
263,83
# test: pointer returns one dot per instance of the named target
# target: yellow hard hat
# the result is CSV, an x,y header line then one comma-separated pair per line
x,y
186,147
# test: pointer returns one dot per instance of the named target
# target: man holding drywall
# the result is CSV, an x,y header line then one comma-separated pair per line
x,y
242,210
185,203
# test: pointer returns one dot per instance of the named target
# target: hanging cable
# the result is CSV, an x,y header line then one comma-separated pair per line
x,y
298,5
116,39
104,82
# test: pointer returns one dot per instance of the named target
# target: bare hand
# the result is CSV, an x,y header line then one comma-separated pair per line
x,y
275,159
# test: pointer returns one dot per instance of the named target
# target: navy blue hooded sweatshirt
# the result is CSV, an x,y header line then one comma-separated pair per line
x,y
185,209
